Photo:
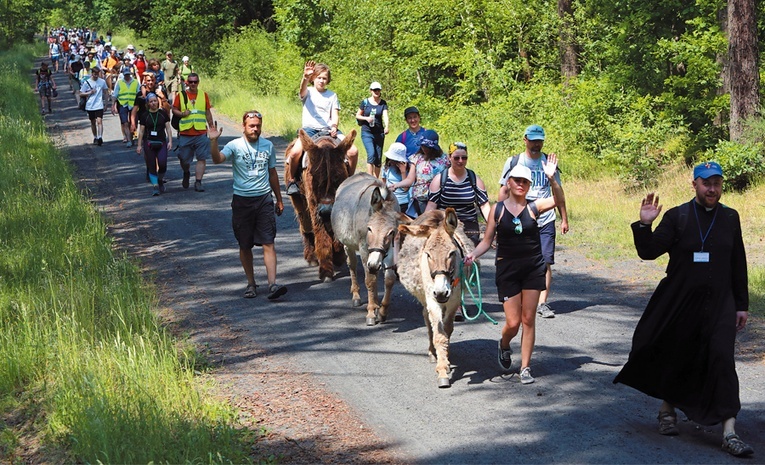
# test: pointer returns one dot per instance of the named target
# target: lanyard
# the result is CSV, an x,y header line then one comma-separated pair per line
x,y
153,119
249,153
704,236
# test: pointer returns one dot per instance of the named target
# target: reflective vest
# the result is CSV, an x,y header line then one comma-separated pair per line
x,y
126,92
197,119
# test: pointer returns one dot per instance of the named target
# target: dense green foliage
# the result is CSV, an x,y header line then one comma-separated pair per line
x,y
649,90
80,348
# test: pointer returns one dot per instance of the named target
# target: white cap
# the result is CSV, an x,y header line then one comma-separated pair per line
x,y
519,171
375,86
185,59
140,52
396,152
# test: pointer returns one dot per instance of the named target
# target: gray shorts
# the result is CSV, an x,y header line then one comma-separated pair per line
x,y
193,146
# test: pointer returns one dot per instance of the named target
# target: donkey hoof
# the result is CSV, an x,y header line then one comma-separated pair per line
x,y
313,263
371,321
328,279
357,302
444,383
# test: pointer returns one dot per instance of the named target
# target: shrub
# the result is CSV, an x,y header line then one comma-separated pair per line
x,y
741,163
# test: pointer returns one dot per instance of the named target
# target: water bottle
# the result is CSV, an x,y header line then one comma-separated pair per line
x,y
372,113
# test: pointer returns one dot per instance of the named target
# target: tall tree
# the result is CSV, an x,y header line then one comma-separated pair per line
x,y
569,49
744,79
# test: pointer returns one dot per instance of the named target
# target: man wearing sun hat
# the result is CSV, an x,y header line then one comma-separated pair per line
x,y
683,346
534,159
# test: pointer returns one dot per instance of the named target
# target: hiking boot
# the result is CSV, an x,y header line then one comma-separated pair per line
x,y
459,316
545,311
155,192
526,377
198,186
292,188
186,176
504,356
733,445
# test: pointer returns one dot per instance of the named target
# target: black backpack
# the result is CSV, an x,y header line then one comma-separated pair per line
x,y
175,121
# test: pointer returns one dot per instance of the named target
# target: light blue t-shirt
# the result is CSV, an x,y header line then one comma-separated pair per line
x,y
251,162
540,185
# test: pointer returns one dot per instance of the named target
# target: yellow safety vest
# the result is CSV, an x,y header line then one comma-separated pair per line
x,y
126,92
196,120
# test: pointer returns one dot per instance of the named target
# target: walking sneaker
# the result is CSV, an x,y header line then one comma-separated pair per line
x,y
504,356
155,192
545,311
100,141
95,141
198,186
459,316
186,176
526,377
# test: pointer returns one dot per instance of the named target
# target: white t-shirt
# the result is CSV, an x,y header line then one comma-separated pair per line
x,y
317,108
540,185
96,99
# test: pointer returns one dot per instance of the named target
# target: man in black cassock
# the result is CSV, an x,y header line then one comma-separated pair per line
x,y
682,349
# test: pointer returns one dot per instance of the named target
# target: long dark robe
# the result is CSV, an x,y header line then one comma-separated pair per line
x,y
683,346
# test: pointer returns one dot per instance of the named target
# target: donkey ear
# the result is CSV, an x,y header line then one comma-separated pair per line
x,y
450,221
414,229
306,140
377,200
403,218
346,144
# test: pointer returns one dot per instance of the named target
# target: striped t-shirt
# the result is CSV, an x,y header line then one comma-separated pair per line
x,y
461,196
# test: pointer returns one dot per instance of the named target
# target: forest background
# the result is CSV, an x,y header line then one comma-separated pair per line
x,y
622,87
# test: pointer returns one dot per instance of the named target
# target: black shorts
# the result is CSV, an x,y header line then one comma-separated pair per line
x,y
253,220
516,274
92,115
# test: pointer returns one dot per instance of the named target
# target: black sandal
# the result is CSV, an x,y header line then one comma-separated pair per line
x,y
250,292
733,445
668,424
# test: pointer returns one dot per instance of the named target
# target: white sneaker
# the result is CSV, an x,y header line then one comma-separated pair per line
x,y
526,377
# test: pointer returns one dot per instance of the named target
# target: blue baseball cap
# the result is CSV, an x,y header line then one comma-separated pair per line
x,y
706,170
534,132
430,140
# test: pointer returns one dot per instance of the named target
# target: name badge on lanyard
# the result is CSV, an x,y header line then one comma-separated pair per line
x,y
700,257
153,133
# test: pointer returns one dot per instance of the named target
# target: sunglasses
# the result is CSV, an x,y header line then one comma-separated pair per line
x,y
460,157
518,225
252,114
193,82
457,146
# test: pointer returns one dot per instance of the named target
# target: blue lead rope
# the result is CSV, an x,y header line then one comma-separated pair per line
x,y
470,282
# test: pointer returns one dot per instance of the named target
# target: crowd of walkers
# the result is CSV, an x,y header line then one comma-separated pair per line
x,y
682,349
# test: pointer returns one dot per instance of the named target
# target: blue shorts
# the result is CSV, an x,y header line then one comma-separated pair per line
x,y
315,133
124,114
373,144
547,238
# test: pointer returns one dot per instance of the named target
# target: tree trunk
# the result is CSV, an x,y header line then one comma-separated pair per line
x,y
569,64
744,78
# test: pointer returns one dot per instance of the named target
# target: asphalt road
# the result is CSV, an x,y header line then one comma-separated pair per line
x,y
572,414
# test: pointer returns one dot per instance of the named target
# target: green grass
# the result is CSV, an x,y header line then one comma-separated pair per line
x,y
80,346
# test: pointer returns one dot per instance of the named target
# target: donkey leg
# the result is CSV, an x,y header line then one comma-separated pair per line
x,y
439,341
371,282
352,264
390,280
323,243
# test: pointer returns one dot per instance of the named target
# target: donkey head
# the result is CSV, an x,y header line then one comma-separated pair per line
x,y
382,227
326,169
442,256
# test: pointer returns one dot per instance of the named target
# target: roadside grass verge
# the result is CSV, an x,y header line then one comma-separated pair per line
x,y
82,355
